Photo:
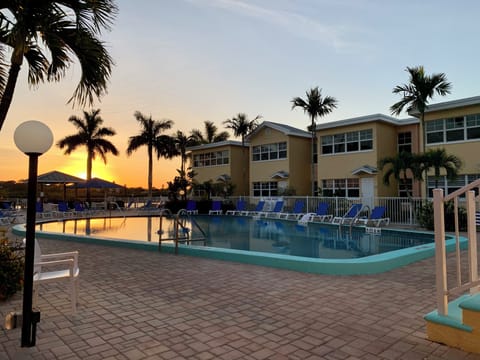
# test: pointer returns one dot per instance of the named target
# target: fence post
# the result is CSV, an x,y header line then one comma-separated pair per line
x,y
472,240
440,252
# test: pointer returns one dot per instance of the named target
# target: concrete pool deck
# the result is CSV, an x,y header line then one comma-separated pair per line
x,y
138,304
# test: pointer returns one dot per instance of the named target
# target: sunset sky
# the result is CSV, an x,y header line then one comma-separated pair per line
x,y
196,60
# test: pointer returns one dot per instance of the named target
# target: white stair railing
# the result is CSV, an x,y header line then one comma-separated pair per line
x,y
471,285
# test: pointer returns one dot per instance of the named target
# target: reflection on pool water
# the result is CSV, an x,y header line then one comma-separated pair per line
x,y
322,241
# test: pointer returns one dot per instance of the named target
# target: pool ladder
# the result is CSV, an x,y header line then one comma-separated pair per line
x,y
182,233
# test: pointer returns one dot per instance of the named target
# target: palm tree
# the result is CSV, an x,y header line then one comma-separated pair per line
x,y
211,134
416,95
241,125
49,35
438,159
182,142
399,167
91,134
315,106
150,137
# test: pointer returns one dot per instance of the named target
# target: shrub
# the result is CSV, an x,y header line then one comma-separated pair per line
x,y
11,271
425,217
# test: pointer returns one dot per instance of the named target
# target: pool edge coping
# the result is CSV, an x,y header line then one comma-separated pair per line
x,y
373,264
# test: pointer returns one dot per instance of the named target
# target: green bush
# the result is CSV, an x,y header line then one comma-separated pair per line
x,y
425,217
11,271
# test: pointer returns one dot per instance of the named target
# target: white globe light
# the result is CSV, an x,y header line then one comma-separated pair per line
x,y
33,137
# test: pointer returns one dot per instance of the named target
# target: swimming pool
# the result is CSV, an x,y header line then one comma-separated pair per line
x,y
316,248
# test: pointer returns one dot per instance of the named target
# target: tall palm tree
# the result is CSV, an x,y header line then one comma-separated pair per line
x,y
416,95
91,134
399,167
49,35
315,106
150,137
241,125
182,142
211,134
438,159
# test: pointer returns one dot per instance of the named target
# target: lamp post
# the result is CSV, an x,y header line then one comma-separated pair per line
x,y
32,138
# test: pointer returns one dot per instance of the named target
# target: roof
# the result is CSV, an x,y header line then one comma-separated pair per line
x,y
285,129
475,100
54,177
216,144
368,118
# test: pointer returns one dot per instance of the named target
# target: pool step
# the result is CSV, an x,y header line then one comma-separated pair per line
x,y
461,327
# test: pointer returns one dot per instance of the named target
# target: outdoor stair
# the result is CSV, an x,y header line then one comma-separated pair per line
x,y
461,327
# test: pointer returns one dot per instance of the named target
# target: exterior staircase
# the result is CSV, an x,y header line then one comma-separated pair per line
x,y
456,322
461,327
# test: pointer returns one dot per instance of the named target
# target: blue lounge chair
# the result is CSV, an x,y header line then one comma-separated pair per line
x,y
257,209
277,209
191,207
63,209
349,216
321,214
297,211
241,206
376,217
216,208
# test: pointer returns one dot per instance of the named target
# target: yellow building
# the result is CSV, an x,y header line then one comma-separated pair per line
x,y
455,126
279,160
221,162
350,149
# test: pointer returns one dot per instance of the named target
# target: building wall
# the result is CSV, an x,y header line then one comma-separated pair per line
x,y
468,150
299,156
261,171
239,170
234,168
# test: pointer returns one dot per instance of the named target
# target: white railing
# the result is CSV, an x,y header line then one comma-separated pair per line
x,y
401,211
471,283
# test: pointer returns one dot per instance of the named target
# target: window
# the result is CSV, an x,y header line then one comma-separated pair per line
x,y
404,142
347,142
405,187
473,126
450,186
341,187
327,144
270,151
459,128
211,159
454,129
266,189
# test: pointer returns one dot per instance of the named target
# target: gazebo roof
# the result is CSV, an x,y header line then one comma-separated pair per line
x,y
57,177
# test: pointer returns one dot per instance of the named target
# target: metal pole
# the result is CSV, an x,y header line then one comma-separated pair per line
x,y
30,318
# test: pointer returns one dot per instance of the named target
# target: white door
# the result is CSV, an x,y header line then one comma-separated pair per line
x,y
367,191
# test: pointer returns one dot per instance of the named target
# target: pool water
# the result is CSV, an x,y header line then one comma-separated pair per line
x,y
321,241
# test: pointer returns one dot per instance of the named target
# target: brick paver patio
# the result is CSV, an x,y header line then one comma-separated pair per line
x,y
145,305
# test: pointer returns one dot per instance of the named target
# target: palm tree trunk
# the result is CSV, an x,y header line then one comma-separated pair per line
x,y
424,146
8,92
150,171
89,172
313,152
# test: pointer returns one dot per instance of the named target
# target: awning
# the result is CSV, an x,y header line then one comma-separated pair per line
x,y
224,178
365,169
282,174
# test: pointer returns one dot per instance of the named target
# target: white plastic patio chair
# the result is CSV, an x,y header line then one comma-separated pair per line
x,y
64,267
